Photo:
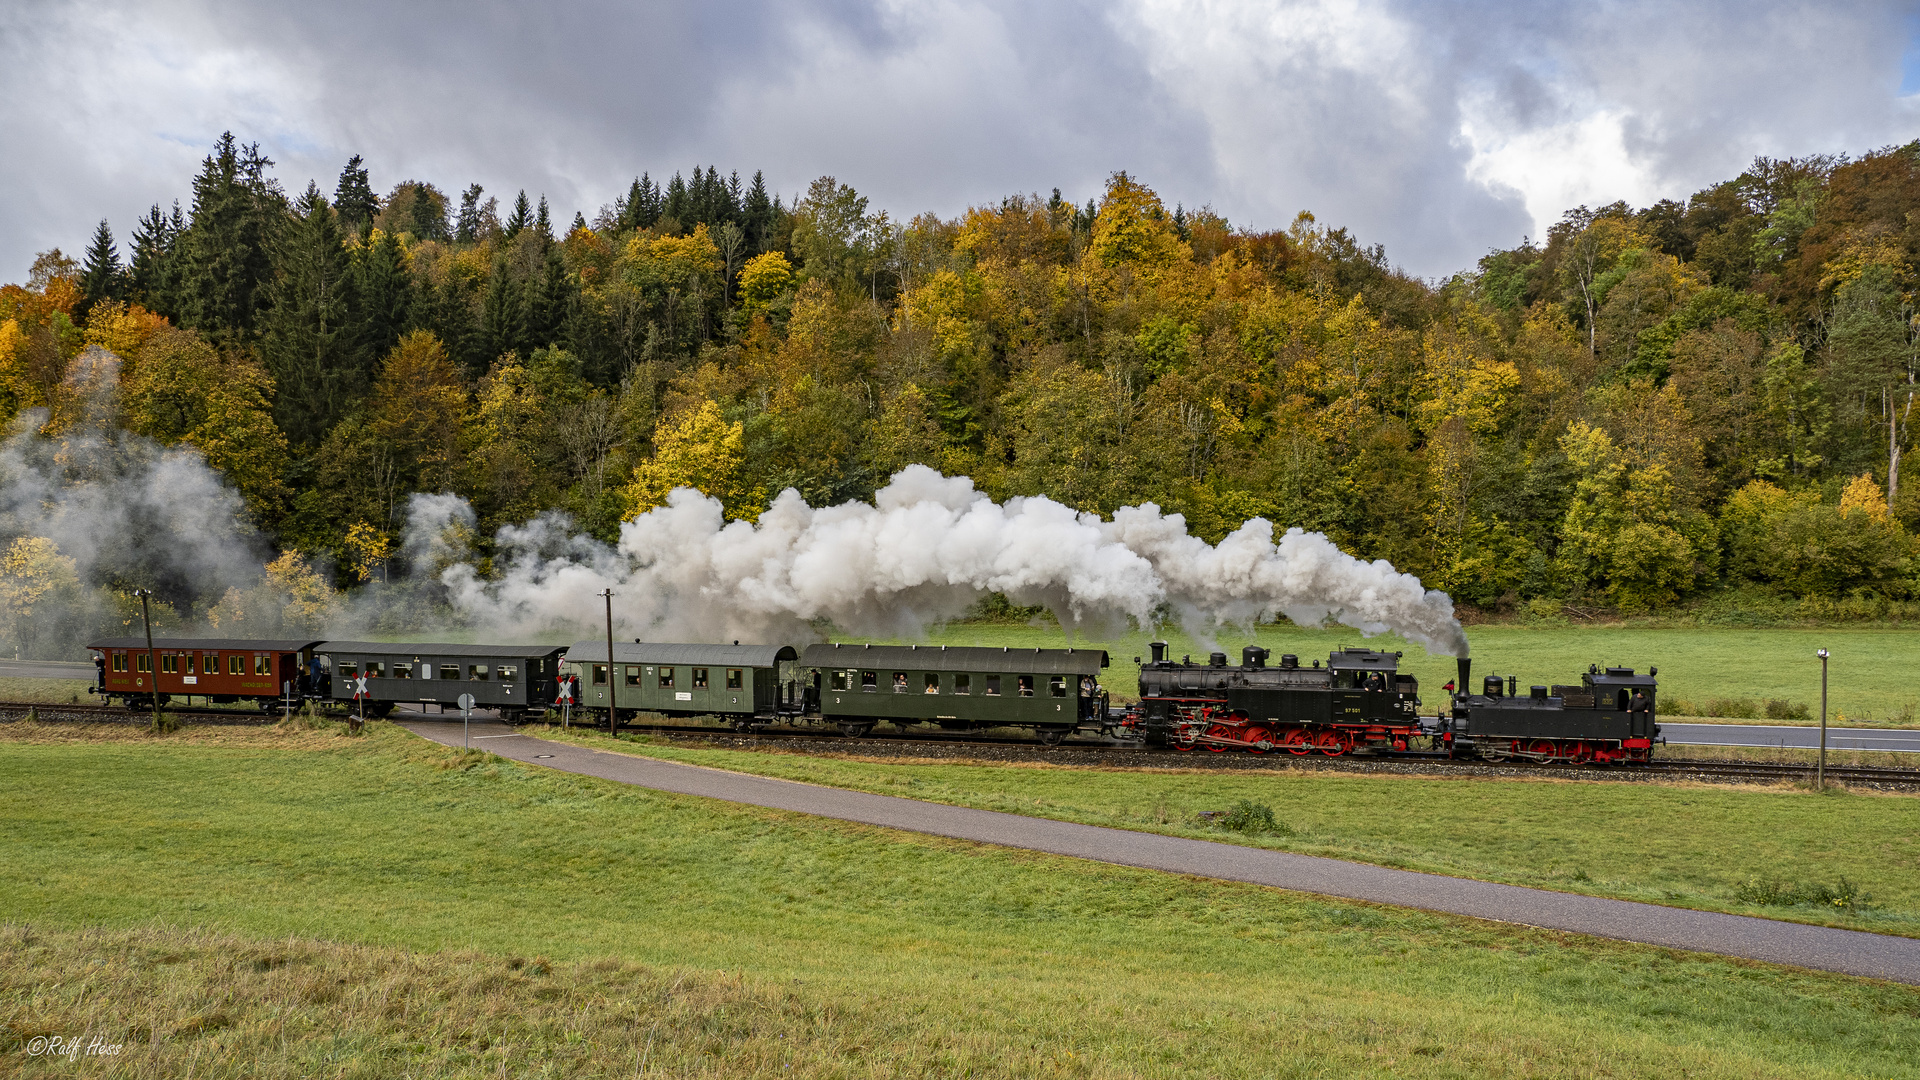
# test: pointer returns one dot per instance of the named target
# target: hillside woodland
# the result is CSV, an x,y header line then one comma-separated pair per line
x,y
1651,407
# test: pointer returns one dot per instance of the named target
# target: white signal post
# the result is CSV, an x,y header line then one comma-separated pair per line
x,y
1820,771
566,701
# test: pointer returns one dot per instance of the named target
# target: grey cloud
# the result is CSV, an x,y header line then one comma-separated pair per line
x,y
927,106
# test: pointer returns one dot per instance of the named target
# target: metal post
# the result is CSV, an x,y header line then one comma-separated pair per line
x,y
613,702
153,661
1820,771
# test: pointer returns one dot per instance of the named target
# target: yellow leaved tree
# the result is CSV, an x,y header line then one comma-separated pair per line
x,y
33,577
699,449
368,550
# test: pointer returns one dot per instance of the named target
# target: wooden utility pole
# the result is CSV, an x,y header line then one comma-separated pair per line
x,y
613,701
153,662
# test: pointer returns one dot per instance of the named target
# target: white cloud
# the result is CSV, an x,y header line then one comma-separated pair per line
x,y
1584,161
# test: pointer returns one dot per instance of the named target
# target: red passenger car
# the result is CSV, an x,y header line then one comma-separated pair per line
x,y
218,670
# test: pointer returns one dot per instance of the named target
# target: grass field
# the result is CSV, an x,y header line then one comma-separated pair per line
x,y
1693,845
1874,676
269,904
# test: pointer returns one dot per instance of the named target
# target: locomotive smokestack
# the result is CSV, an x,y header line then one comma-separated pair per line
x,y
1159,649
1466,666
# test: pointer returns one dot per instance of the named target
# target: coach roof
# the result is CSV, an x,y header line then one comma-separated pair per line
x,y
433,648
957,658
205,644
661,652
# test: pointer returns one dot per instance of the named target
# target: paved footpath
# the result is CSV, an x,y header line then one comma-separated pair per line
x,y
1850,952
1899,740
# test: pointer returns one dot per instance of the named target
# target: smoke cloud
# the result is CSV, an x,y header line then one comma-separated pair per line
x,y
924,551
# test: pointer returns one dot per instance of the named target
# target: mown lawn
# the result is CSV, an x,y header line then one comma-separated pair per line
x,y
1692,845
270,904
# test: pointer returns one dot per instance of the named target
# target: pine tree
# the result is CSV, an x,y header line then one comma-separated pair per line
x,y
353,198
757,215
383,286
449,314
579,222
542,224
227,251
546,305
468,228
149,277
677,206
648,209
501,317
521,216
101,276
308,334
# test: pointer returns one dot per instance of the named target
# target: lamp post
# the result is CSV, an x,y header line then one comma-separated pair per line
x,y
1820,771
153,663
613,701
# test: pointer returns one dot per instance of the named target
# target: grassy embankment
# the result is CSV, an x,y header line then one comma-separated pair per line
x,y
276,904
1693,845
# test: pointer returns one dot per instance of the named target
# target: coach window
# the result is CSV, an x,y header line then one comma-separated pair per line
x,y
189,658
348,669
477,672
933,684
733,678
632,677
1057,686
1025,682
599,674
699,678
993,686
119,661
963,684
169,664
666,678
263,664
450,671
403,671
840,680
508,672
210,663
143,662
236,664
869,681
376,668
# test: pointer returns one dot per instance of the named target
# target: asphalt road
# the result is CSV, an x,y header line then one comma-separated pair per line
x,y
1902,741
45,669
1850,952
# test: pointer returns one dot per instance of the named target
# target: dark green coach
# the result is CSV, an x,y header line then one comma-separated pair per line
x,y
1053,691
513,679
736,682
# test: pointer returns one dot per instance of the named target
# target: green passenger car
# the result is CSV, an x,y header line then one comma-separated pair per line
x,y
1053,691
736,682
512,679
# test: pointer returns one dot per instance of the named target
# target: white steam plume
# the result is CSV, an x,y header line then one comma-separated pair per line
x,y
924,551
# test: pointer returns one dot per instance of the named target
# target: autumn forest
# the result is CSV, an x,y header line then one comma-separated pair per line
x,y
1699,402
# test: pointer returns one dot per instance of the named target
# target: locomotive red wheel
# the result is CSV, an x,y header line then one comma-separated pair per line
x,y
1296,742
1332,743
1543,749
1178,745
1219,731
1257,735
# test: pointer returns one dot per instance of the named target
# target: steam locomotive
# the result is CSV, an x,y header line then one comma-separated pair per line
x,y
1361,701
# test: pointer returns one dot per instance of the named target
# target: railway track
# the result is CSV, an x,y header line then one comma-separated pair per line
x,y
1678,767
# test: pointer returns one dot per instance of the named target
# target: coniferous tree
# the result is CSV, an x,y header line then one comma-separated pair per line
x,y
502,316
467,229
520,218
227,251
449,314
383,287
645,208
546,305
542,224
151,263
353,198
308,340
676,205
579,222
101,275
757,215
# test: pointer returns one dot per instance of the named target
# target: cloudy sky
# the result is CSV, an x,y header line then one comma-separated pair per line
x,y
1440,130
